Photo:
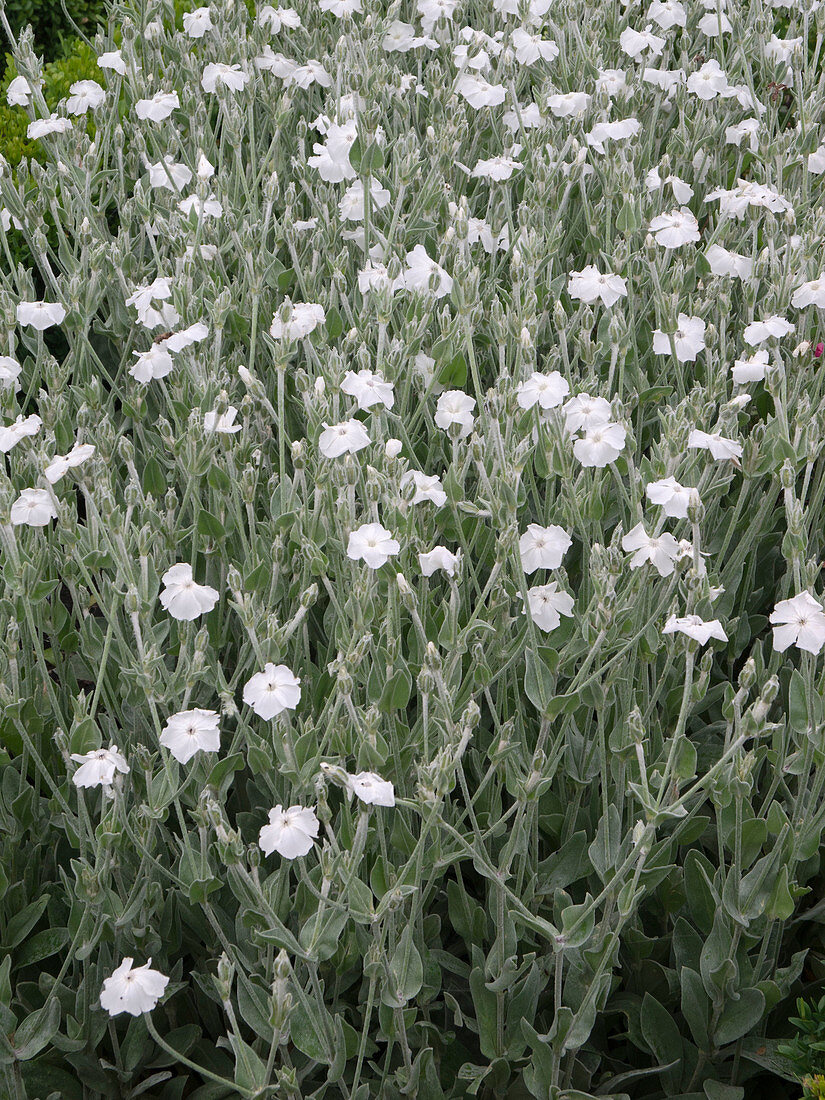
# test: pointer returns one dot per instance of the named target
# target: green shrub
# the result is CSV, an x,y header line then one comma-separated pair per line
x,y
79,63
52,24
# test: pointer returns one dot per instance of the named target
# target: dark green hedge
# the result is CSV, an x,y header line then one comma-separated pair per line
x,y
54,21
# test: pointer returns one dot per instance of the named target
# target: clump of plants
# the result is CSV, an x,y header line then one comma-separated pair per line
x,y
412,609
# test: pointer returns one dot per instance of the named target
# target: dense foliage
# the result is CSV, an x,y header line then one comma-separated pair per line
x,y
420,409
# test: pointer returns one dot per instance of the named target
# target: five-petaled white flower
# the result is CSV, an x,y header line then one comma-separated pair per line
x,y
302,319
61,464
545,390
757,332
291,832
543,547
272,691
368,388
182,597
671,496
675,229
426,487
719,446
660,550
589,285
696,628
229,76
344,438
688,339
98,767
40,315
85,95
11,434
799,621
424,275
600,445
158,108
455,407
547,605
372,544
439,558
191,731
34,508
372,789
131,990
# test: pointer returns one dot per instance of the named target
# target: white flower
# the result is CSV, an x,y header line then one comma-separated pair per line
x,y
584,411
757,332
34,508
799,621
345,438
426,488
708,82
695,628
372,544
154,363
160,290
230,76
351,205
158,108
667,13
747,128
42,127
210,207
531,48
196,23
666,79
810,294
368,389
273,19
332,158
40,315
272,691
11,434
85,96
372,789
223,424
589,284
568,105
98,767
112,60
303,318
182,597
545,390
169,175
719,446
600,445
291,832
543,547
612,131
194,334
671,496
18,93
661,551
750,370
10,371
61,464
133,991
496,168
715,23
455,407
547,605
676,228
191,731
393,448
425,275
635,43
723,262
439,558
688,340
478,93
204,168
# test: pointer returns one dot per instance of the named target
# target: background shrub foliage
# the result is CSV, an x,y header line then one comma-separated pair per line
x,y
602,873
